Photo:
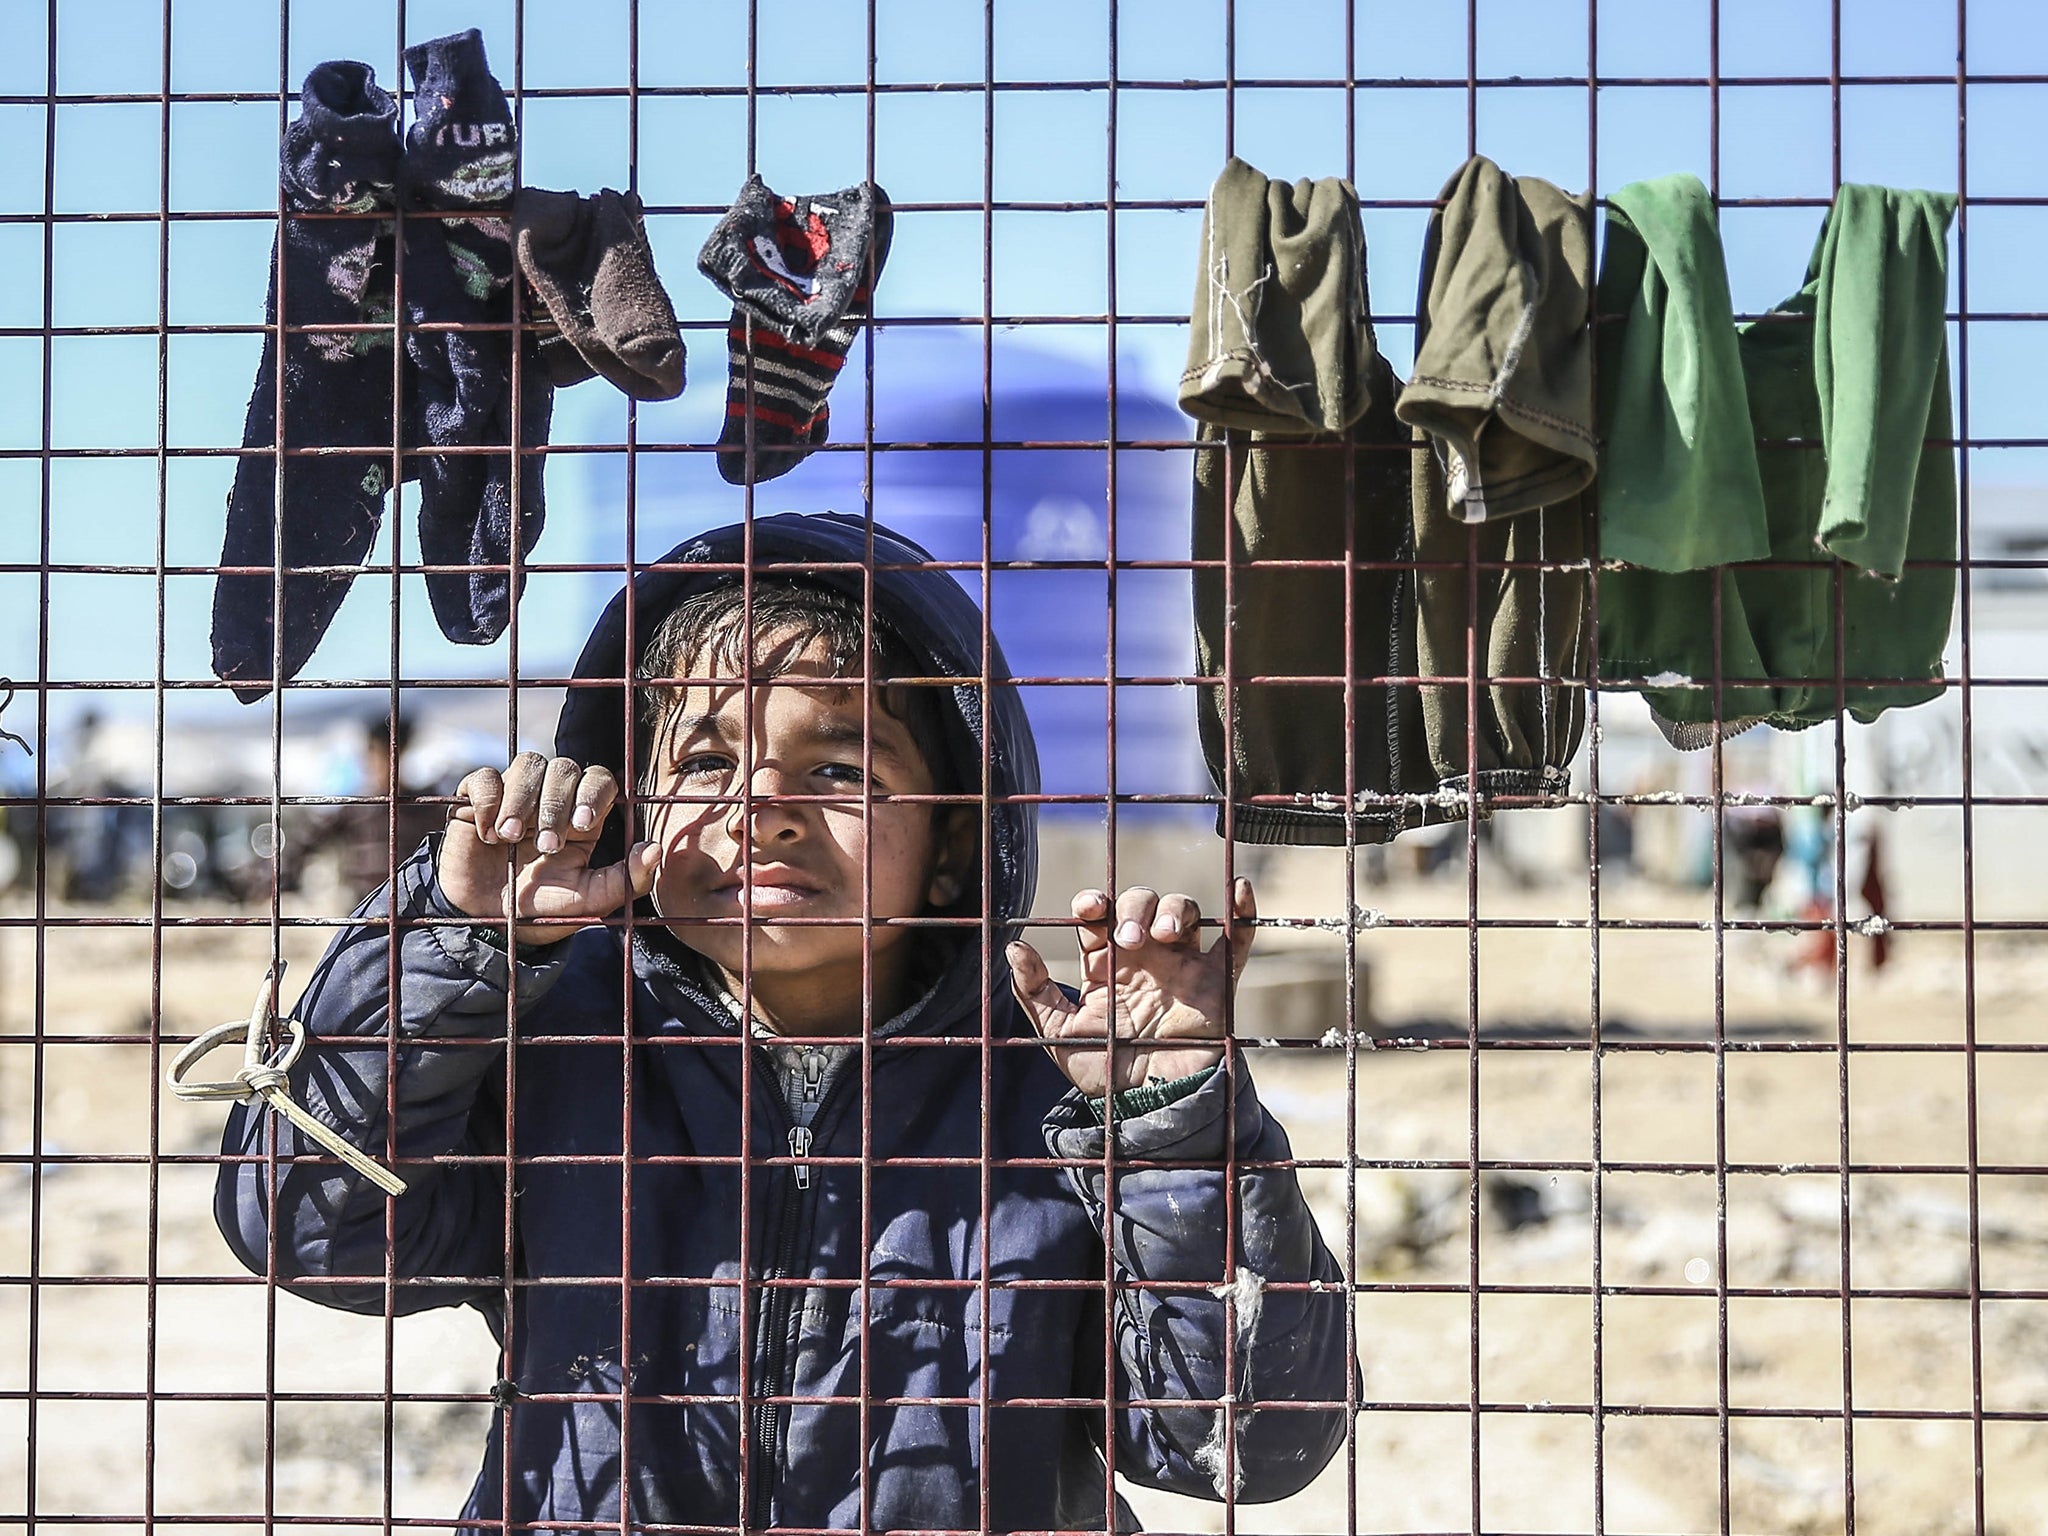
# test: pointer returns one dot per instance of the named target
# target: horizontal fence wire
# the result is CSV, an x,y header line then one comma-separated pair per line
x,y
1658,1207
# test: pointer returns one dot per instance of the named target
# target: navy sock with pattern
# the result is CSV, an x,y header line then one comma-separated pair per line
x,y
458,177
340,157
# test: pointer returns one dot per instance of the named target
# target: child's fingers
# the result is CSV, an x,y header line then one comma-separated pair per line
x,y
484,789
1178,920
1027,968
615,885
595,792
557,792
1032,985
643,863
1134,912
1093,908
523,776
1238,933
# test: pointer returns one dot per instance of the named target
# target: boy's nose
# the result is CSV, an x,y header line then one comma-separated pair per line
x,y
772,817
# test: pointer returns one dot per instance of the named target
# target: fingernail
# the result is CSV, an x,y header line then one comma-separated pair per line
x,y
581,818
509,828
548,841
1170,925
1130,935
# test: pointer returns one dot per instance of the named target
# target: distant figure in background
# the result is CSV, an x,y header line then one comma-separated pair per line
x,y
98,849
1755,841
1873,894
1617,837
364,838
17,822
1811,846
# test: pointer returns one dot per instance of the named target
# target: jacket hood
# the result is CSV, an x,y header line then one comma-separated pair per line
x,y
936,620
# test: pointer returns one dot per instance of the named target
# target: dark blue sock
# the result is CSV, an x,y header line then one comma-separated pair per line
x,y
340,156
458,271
460,150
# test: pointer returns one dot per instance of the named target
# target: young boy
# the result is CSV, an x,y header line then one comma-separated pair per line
x,y
800,1326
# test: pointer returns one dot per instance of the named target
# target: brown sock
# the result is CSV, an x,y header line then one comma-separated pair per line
x,y
588,262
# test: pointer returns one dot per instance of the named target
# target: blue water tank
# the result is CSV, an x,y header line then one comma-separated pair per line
x,y
1039,504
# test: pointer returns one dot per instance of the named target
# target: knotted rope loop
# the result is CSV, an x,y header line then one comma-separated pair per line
x,y
270,1080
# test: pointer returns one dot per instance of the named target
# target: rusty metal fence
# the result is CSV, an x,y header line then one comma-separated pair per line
x,y
1661,1208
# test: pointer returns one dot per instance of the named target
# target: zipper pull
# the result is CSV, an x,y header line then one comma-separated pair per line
x,y
814,1075
800,1146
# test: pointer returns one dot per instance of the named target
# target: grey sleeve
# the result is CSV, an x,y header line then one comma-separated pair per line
x,y
440,1092
1170,1225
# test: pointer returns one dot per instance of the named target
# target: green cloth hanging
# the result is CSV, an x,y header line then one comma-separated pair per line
x,y
1679,489
1843,383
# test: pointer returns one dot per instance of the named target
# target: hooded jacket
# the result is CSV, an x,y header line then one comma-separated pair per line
x,y
883,1305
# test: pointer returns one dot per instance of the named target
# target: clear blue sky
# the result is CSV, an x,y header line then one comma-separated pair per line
x,y
1049,146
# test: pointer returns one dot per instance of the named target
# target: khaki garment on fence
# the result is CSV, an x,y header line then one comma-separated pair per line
x,y
1280,339
1413,591
1284,497
1502,404
1532,631
1503,375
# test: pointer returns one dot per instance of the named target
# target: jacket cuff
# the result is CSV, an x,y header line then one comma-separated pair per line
x,y
1190,1128
1147,1097
476,948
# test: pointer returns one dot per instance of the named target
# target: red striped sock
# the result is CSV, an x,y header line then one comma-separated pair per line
x,y
775,395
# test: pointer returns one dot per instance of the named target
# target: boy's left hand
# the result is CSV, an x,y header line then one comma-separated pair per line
x,y
1170,994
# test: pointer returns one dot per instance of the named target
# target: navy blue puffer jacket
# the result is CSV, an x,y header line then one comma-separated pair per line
x,y
798,1336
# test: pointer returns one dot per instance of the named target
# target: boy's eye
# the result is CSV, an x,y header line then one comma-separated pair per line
x,y
702,765
842,773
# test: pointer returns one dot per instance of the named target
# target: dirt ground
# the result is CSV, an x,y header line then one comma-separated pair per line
x,y
96,1235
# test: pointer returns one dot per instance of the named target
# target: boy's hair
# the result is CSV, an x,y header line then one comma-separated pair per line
x,y
706,634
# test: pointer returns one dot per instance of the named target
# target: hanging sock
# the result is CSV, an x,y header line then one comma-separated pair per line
x,y
457,177
801,275
588,263
460,150
340,156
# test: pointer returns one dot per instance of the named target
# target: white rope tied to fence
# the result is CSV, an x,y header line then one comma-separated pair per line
x,y
270,1080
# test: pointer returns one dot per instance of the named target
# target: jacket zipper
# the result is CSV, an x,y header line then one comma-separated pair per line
x,y
800,1135
770,1344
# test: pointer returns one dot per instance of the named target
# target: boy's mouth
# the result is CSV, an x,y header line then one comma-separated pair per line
x,y
767,885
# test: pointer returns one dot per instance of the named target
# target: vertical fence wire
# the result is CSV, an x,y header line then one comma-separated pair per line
x,y
1965,594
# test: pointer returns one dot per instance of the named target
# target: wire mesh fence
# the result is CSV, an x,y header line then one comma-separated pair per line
x,y
1677,1133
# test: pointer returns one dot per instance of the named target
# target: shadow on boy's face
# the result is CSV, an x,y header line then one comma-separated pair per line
x,y
781,819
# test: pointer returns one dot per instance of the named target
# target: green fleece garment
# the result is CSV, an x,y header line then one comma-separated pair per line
x,y
1503,359
1845,382
1679,487
1280,339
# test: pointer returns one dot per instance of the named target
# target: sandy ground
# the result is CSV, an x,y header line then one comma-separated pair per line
x,y
98,1234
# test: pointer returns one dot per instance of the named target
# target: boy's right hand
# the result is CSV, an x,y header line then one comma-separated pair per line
x,y
547,812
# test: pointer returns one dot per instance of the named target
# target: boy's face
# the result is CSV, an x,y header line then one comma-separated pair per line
x,y
805,860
